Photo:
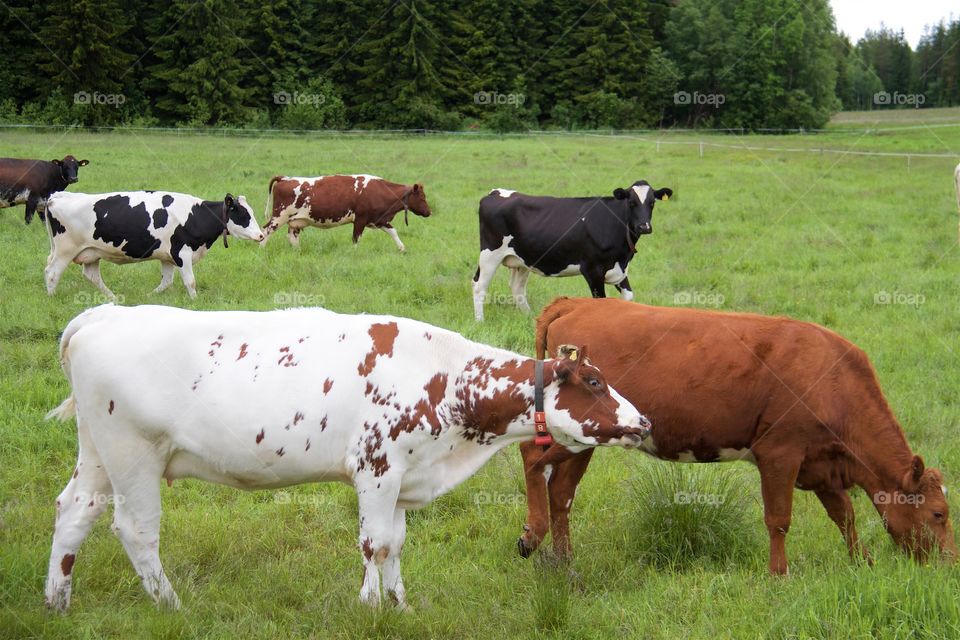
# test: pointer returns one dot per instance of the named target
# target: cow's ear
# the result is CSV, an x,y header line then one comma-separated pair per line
x,y
911,479
228,200
417,188
620,194
663,194
83,163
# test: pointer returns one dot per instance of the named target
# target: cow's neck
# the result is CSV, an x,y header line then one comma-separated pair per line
x,y
877,451
494,400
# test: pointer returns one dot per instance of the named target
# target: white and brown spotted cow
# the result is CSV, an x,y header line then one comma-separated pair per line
x,y
401,410
331,201
175,228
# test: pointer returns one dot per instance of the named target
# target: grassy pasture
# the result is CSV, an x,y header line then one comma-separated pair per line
x,y
860,244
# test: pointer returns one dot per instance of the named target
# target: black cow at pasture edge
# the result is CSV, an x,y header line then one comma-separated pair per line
x,y
594,237
31,182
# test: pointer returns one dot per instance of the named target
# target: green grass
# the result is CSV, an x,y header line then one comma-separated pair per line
x,y
810,236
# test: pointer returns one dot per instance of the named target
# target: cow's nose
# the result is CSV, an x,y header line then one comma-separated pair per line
x,y
645,229
260,238
72,180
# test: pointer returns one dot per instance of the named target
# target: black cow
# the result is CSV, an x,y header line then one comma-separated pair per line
x,y
31,182
594,237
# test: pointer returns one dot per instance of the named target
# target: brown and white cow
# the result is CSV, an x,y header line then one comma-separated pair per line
x,y
31,182
331,201
401,410
797,400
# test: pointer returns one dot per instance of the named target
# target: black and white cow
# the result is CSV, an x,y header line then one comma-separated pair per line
x,y
30,182
175,228
594,237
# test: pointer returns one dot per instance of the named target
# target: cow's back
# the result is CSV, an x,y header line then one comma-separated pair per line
x,y
253,387
695,370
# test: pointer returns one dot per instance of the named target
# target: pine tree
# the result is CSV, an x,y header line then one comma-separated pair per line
x,y
82,56
277,42
202,62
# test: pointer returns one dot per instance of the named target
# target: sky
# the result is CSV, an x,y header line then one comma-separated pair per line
x,y
854,17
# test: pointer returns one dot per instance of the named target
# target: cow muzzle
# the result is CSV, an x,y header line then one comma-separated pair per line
x,y
645,229
71,180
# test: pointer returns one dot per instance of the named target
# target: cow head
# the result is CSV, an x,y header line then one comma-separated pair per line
x,y
582,411
69,168
641,197
917,516
239,220
416,200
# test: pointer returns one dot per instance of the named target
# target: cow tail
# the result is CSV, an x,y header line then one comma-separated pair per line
x,y
68,408
551,312
268,212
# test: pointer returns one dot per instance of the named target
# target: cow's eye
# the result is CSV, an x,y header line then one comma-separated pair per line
x,y
593,382
938,516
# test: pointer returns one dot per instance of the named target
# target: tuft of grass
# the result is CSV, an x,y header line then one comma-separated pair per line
x,y
685,514
551,596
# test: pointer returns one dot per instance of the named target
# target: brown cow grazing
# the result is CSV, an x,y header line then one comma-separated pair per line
x,y
31,182
331,201
797,400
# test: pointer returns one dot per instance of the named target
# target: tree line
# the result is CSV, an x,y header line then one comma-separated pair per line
x,y
503,65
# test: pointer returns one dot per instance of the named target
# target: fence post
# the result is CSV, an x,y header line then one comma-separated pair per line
x,y
908,162
701,148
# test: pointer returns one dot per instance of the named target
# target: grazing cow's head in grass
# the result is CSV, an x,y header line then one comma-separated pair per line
x,y
416,200
641,198
583,411
240,220
70,168
918,517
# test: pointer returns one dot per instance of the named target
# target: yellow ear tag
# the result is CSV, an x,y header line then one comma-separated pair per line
x,y
665,197
573,354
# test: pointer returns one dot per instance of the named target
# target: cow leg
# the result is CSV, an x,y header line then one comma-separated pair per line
x,y
518,286
56,265
377,498
390,231
29,210
186,272
79,505
538,467
357,231
595,280
91,271
135,468
626,292
166,276
840,509
562,489
293,236
392,580
778,475
487,266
